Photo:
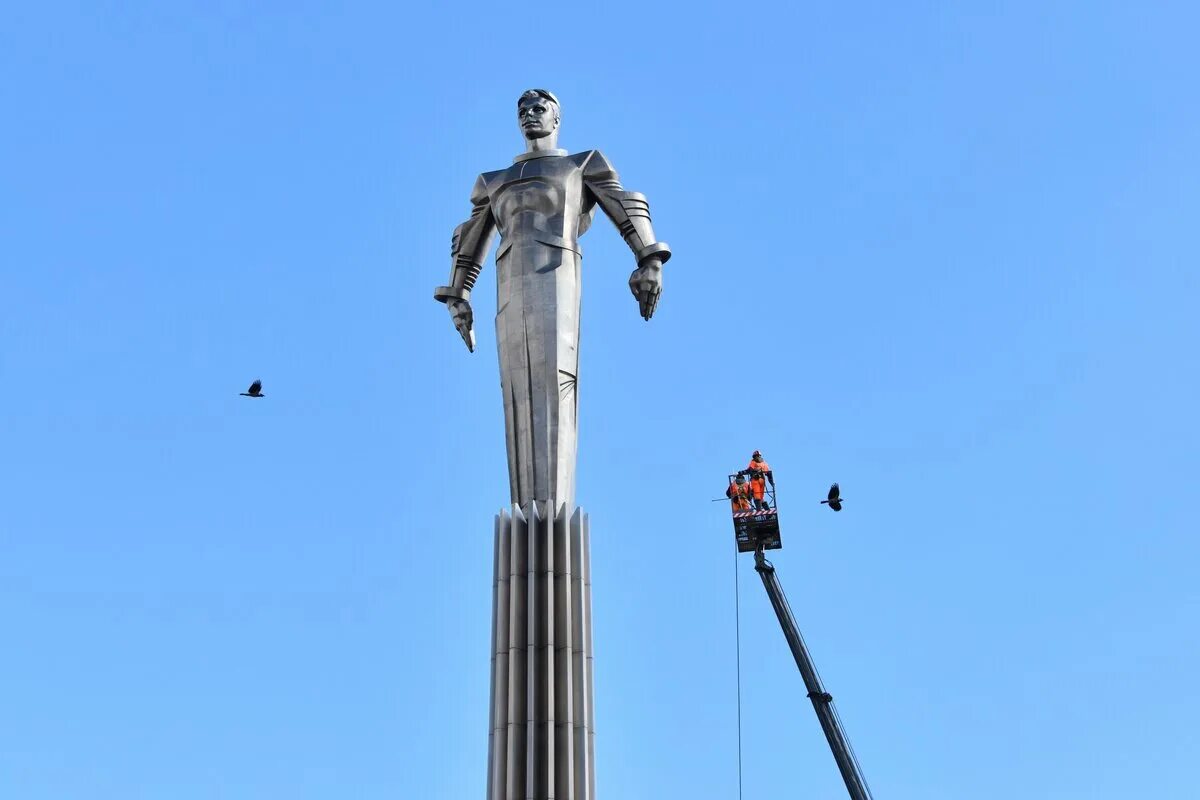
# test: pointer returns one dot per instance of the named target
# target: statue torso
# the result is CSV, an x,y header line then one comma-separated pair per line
x,y
540,201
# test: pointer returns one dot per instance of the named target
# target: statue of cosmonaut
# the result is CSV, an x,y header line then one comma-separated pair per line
x,y
541,205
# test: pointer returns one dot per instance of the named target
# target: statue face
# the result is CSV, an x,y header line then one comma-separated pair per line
x,y
537,117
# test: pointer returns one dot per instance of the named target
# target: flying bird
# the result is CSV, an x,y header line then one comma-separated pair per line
x,y
835,498
255,390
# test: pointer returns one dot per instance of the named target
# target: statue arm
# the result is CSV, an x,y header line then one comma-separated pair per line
x,y
469,247
629,211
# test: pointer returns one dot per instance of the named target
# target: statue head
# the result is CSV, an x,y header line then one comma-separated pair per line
x,y
538,114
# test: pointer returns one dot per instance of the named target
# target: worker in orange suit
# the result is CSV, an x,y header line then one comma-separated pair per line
x,y
739,494
759,472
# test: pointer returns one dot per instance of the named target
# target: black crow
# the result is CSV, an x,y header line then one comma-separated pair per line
x,y
835,498
255,390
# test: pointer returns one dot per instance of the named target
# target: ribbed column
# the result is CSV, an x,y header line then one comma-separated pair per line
x,y
541,745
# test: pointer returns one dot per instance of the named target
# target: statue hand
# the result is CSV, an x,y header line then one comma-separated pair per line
x,y
646,285
464,321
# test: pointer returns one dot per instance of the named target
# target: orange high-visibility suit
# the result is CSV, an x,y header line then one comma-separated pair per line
x,y
739,495
758,478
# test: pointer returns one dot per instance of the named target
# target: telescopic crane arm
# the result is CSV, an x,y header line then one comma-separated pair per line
x,y
822,701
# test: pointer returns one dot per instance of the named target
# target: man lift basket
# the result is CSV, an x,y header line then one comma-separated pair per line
x,y
757,528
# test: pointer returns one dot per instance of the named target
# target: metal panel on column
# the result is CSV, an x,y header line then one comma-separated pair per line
x,y
541,738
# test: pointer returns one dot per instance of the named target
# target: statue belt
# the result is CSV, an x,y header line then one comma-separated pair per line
x,y
539,237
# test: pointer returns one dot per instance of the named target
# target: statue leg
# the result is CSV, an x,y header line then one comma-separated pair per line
x,y
537,334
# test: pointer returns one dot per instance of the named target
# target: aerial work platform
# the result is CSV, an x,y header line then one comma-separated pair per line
x,y
757,528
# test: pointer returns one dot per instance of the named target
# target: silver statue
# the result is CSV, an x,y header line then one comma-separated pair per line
x,y
541,205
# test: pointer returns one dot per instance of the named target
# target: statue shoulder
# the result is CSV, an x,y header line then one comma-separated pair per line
x,y
488,178
594,164
484,185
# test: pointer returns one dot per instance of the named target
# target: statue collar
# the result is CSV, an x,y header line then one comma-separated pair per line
x,y
538,154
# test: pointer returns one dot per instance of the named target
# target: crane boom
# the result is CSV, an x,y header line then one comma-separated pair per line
x,y
822,701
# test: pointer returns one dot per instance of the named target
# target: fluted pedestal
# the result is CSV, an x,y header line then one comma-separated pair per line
x,y
541,741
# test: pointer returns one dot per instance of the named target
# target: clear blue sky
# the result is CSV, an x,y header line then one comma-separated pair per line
x,y
944,254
